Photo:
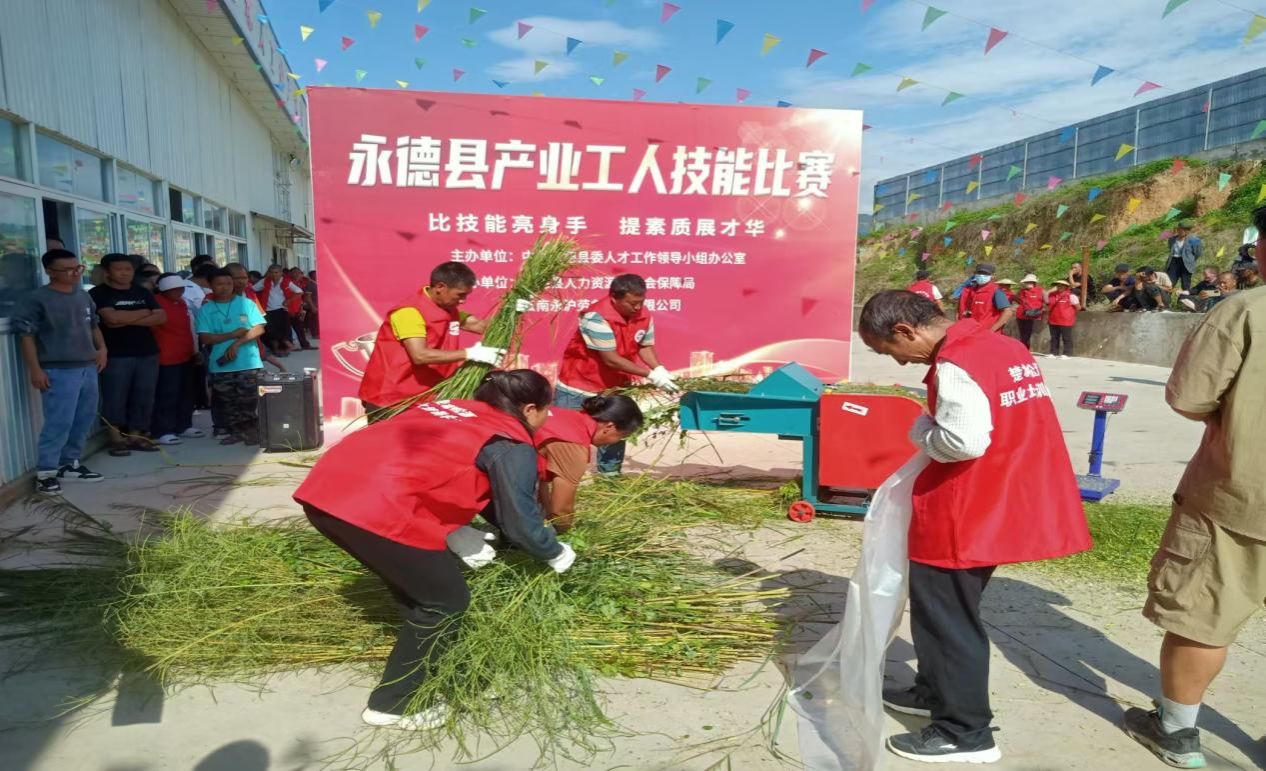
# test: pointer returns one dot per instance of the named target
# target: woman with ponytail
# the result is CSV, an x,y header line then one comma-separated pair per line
x,y
394,493
564,442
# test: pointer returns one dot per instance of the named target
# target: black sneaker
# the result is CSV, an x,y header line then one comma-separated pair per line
x,y
932,746
48,486
908,701
78,471
1181,749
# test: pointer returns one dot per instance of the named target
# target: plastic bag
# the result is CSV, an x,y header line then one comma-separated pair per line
x,y
837,686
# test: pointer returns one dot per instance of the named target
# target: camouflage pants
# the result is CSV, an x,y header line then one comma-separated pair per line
x,y
234,396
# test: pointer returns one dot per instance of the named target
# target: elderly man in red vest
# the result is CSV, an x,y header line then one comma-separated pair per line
x,y
614,343
923,285
418,344
988,402
985,301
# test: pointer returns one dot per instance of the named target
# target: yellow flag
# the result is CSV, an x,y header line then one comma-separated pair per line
x,y
1045,247
402,83
304,32
1134,204
906,83
374,18
422,4
293,76
1221,251
1124,150
972,185
1029,228
770,42
1262,195
1096,218
298,92
238,40
988,249
538,93
1255,28
878,206
913,197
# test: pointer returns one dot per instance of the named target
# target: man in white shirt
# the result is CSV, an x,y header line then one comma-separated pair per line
x,y
281,298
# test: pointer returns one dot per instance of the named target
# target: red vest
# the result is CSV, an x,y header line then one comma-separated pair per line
x,y
1063,312
390,374
564,426
978,301
293,302
175,335
924,288
1031,298
992,510
411,479
582,367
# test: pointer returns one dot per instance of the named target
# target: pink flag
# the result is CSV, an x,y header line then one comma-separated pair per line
x,y
660,71
348,43
814,55
984,235
1179,165
666,12
868,127
1147,86
418,32
457,74
524,28
1020,198
1101,244
866,4
213,6
995,37
638,94
1052,182
947,206
975,161
320,64
1205,107
741,94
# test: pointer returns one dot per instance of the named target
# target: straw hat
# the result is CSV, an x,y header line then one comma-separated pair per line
x,y
1029,279
1061,281
1005,282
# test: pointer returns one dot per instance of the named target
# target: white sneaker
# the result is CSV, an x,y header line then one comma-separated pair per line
x,y
193,433
1065,356
169,439
427,719
1188,304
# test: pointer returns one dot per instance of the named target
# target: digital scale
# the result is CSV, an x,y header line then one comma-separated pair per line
x,y
1094,486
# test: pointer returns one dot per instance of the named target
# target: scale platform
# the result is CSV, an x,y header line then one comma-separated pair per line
x,y
1095,488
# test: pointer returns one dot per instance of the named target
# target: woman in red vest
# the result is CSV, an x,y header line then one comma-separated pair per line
x,y
1030,305
1063,315
564,442
418,344
614,343
988,404
393,494
923,286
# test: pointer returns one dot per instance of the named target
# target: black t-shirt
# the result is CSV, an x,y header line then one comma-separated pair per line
x,y
130,340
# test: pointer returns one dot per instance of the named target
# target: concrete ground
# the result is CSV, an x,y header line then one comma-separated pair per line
x,y
1068,656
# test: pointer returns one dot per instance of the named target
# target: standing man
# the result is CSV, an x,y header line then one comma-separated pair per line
x,y
282,298
1209,576
300,311
177,349
1185,250
923,286
614,344
128,315
64,352
988,403
984,301
230,325
418,342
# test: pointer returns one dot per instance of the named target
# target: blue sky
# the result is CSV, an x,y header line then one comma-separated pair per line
x,y
1035,80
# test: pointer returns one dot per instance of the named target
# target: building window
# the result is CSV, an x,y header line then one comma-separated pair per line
x,y
182,244
237,224
138,192
221,254
17,250
212,216
70,169
146,239
184,207
12,159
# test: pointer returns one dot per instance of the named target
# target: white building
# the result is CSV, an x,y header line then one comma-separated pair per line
x,y
165,128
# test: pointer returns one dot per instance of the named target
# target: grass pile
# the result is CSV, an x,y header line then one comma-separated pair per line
x,y
1126,536
196,603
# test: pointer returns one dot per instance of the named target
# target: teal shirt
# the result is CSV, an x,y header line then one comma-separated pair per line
x,y
218,318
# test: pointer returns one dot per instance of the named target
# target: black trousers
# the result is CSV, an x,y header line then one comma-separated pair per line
x,y
1061,340
428,587
173,399
952,647
299,325
277,330
201,395
1026,330
1178,273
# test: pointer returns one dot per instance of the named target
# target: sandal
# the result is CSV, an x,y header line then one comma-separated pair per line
x,y
231,439
142,445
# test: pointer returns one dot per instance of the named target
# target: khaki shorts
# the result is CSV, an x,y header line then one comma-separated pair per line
x,y
1206,581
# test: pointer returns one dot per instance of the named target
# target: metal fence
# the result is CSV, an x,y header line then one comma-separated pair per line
x,y
1216,115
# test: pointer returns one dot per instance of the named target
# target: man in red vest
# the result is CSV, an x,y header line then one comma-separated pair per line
x,y
614,343
985,301
418,346
988,403
923,286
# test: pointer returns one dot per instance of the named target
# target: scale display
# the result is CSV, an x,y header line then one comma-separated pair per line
x,y
1101,402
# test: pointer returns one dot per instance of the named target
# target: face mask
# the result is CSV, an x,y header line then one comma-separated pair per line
x,y
981,279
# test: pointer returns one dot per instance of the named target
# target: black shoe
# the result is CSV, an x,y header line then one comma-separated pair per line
x,y
48,486
78,471
908,701
932,746
1181,749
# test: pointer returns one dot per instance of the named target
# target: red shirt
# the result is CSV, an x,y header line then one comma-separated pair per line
x,y
174,336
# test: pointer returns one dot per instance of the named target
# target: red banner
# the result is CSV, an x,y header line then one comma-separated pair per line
x,y
742,220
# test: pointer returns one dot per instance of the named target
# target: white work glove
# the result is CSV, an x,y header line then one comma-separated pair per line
x,y
919,431
524,305
662,380
485,354
472,546
564,559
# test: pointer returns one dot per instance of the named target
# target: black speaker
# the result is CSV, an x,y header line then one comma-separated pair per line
x,y
289,414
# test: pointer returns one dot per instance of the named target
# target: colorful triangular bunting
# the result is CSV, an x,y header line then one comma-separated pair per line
x,y
951,97
348,43
814,55
597,80
320,64
523,28
906,83
768,43
618,57
860,68
1061,210
638,94
1101,73
701,84
476,14
667,11
539,65
374,18
419,32
1224,179
661,70
931,15
1014,172
723,29
1255,28
571,44
305,32
1123,151
1170,6
360,75
1147,86
741,94
995,37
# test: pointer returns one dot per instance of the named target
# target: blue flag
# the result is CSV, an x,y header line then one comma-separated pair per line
x,y
1100,74
500,83
571,44
1067,134
723,29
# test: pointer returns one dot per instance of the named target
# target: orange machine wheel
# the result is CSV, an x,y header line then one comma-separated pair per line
x,y
801,511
